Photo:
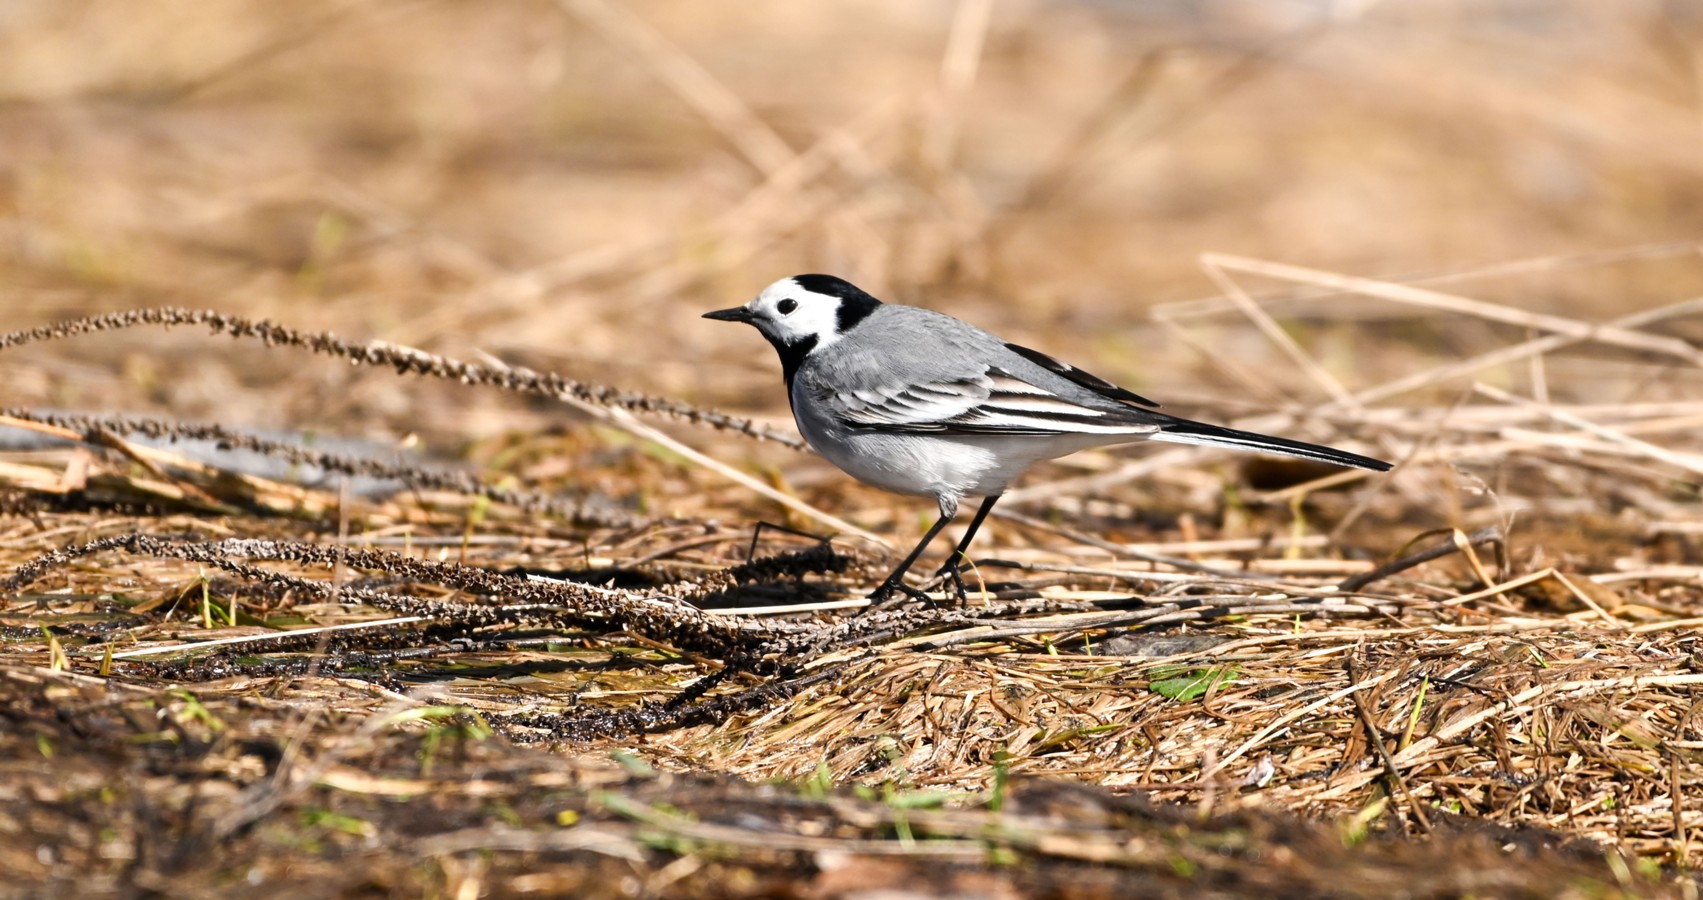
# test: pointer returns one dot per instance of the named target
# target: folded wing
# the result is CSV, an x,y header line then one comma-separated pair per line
x,y
991,402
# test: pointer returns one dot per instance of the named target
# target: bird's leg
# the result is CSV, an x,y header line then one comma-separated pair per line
x,y
949,571
895,581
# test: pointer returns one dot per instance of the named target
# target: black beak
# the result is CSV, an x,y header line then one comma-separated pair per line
x,y
736,314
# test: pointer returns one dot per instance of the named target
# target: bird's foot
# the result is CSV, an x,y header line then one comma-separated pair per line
x,y
887,595
952,575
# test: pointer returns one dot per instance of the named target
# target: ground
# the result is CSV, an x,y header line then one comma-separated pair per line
x,y
378,516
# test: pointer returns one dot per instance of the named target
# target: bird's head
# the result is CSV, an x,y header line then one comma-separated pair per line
x,y
804,312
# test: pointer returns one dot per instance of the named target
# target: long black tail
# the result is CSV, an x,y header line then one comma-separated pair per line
x,y
1184,431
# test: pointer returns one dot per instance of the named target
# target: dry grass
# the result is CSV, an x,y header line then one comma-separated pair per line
x,y
511,632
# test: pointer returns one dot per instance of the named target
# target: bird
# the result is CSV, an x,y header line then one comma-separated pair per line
x,y
917,402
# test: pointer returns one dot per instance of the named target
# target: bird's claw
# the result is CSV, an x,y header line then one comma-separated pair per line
x,y
882,596
950,574
955,577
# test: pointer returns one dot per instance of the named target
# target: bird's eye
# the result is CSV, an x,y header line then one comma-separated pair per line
x,y
785,307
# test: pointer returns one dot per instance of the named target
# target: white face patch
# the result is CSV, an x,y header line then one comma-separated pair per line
x,y
787,313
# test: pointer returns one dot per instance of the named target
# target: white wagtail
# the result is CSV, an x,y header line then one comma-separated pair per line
x,y
916,402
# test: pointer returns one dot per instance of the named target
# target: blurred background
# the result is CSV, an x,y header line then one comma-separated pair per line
x,y
569,184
